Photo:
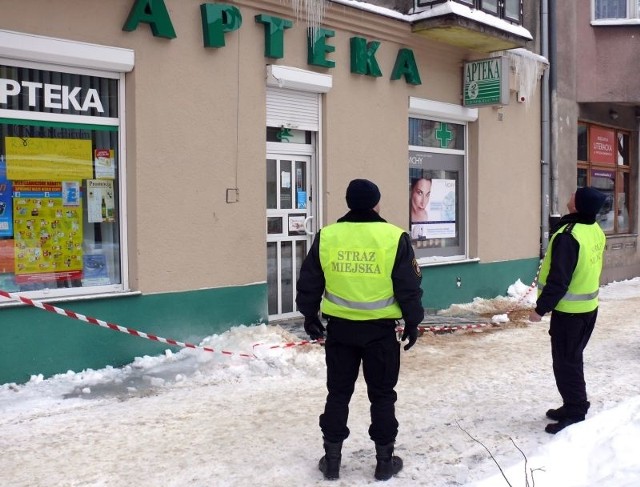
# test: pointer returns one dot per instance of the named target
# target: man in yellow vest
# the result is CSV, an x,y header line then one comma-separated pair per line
x,y
361,273
568,288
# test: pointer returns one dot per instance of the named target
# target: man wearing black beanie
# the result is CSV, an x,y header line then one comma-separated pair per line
x,y
568,288
361,273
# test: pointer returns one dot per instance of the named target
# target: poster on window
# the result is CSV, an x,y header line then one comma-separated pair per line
x,y
602,149
6,217
100,201
70,193
433,208
37,158
47,235
105,164
95,270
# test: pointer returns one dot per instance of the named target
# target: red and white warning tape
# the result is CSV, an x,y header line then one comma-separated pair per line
x,y
112,326
169,341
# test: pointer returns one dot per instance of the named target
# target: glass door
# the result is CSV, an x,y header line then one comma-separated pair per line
x,y
290,228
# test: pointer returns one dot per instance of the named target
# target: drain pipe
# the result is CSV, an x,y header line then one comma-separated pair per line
x,y
545,133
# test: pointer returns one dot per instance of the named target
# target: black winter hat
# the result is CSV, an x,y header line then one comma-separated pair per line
x,y
362,194
589,200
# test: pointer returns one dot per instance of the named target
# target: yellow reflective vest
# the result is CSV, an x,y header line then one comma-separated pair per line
x,y
357,260
582,294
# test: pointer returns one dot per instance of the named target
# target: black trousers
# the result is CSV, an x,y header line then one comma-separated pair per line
x,y
570,333
375,345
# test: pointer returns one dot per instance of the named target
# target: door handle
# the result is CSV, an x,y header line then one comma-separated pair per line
x,y
306,230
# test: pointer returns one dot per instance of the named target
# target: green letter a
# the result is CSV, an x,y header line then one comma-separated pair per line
x,y
154,13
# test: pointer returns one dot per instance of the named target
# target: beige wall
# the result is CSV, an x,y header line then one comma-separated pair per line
x,y
188,107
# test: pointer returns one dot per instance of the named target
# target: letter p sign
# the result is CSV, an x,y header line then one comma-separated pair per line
x,y
217,19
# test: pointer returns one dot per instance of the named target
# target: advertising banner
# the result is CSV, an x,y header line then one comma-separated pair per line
x,y
48,159
48,236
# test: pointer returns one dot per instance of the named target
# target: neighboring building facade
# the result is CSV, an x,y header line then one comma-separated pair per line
x,y
596,100
166,163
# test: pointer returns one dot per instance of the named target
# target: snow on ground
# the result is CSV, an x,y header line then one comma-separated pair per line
x,y
199,418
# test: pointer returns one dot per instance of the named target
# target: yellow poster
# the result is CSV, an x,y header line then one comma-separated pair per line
x,y
48,235
35,158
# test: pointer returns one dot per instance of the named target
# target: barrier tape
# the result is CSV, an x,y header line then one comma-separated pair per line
x,y
170,341
533,284
114,327
515,306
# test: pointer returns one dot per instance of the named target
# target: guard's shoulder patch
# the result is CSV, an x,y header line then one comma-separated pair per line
x,y
416,268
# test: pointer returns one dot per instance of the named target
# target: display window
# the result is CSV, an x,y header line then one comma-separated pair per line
x,y
604,163
60,182
436,187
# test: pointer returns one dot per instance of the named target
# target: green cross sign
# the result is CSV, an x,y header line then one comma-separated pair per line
x,y
444,135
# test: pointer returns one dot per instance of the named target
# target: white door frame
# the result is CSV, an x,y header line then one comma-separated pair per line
x,y
282,151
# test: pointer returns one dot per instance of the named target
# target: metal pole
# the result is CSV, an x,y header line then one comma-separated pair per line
x,y
545,133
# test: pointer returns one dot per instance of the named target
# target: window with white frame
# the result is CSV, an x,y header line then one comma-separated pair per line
x,y
437,188
615,10
61,228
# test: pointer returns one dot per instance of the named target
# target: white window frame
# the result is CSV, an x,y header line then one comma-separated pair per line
x,y
447,112
50,54
632,18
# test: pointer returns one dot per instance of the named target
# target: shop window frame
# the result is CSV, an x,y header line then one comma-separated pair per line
x,y
621,171
429,248
90,123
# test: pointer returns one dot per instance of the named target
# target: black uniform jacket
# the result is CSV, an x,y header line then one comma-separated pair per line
x,y
406,276
565,249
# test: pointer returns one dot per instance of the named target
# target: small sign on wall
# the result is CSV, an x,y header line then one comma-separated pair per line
x,y
486,82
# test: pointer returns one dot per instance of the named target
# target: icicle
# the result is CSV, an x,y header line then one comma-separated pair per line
x,y
528,68
313,11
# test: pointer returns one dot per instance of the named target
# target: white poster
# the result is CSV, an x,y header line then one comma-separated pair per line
x,y
100,201
105,164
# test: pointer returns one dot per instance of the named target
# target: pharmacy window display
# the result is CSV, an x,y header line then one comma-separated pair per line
x,y
436,182
59,181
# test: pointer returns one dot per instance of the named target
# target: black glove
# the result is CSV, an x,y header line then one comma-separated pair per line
x,y
313,327
410,332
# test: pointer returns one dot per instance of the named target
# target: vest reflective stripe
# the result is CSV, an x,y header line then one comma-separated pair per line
x,y
357,260
358,305
582,294
576,297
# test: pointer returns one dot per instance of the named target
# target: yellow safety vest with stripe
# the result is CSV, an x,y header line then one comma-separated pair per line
x,y
582,294
357,260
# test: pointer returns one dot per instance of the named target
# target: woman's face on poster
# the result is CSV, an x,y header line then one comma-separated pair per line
x,y
420,195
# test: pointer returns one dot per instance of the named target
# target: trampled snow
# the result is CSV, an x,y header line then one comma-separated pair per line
x,y
196,418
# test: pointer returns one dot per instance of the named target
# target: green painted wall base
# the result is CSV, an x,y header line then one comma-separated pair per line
x,y
35,341
40,342
483,280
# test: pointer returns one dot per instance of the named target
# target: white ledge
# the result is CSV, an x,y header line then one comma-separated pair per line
x,y
31,47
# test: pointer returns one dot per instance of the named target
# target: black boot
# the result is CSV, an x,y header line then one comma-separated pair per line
x,y
565,412
554,428
557,414
329,464
387,463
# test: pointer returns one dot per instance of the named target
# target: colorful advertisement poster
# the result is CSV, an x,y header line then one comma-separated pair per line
x,y
439,210
37,158
6,217
602,147
48,236
100,201
105,164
